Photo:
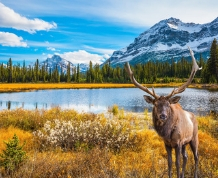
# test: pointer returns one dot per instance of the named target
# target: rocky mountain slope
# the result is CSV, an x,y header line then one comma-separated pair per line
x,y
166,40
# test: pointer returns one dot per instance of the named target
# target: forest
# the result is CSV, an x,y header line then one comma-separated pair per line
x,y
150,72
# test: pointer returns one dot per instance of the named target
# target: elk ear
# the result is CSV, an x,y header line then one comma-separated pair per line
x,y
148,99
174,100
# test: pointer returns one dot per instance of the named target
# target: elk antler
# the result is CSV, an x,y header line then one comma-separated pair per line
x,y
129,71
182,88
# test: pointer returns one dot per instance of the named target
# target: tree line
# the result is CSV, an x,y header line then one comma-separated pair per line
x,y
150,72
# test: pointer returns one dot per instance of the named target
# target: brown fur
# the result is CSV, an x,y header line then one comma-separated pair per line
x,y
178,129
176,126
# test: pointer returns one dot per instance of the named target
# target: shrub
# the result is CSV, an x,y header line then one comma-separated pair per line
x,y
115,110
13,155
112,134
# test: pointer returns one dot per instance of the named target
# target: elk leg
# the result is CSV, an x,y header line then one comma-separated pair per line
x,y
169,159
185,158
178,152
194,148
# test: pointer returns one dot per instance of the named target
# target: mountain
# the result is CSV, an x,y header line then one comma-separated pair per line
x,y
56,60
166,40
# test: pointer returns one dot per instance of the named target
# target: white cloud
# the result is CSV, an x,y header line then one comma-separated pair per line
x,y
82,56
51,49
10,19
147,13
12,40
99,50
135,13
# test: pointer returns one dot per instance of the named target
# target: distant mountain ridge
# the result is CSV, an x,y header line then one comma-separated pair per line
x,y
61,64
168,39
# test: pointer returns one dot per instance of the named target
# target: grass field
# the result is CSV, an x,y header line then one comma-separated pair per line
x,y
16,87
65,143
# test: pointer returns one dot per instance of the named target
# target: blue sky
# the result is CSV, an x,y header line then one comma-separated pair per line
x,y
82,30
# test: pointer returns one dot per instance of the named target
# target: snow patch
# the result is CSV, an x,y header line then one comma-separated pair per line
x,y
172,26
191,28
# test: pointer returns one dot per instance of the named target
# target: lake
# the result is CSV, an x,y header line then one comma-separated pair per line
x,y
198,101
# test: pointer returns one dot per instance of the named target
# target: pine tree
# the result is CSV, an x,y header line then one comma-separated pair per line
x,y
213,56
10,70
77,74
68,73
210,73
13,155
36,68
216,62
43,73
90,73
2,73
62,78
74,74
24,72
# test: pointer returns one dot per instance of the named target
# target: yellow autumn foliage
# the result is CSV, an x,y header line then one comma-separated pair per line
x,y
24,137
146,158
17,87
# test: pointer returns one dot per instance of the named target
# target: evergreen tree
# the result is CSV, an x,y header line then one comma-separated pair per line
x,y
68,73
173,68
211,65
2,73
13,155
210,73
77,74
10,71
74,74
62,78
43,73
89,73
36,71
24,72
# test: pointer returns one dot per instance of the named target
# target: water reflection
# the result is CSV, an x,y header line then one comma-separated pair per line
x,y
213,103
99,100
14,105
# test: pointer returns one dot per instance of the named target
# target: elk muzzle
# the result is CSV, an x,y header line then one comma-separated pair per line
x,y
163,116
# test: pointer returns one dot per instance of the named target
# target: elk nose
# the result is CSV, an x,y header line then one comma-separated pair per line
x,y
163,116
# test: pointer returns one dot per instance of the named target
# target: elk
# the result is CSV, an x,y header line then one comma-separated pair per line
x,y
174,125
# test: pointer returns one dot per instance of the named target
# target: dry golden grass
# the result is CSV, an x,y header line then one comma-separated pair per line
x,y
17,87
147,158
14,87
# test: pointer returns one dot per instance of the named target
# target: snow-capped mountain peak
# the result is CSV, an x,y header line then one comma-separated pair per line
x,y
166,40
61,64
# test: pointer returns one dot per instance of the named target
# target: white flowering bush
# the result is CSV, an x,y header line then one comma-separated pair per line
x,y
112,134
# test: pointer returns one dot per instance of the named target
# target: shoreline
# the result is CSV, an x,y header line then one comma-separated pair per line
x,y
21,87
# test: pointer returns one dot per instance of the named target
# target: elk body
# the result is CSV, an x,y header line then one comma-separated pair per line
x,y
176,126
